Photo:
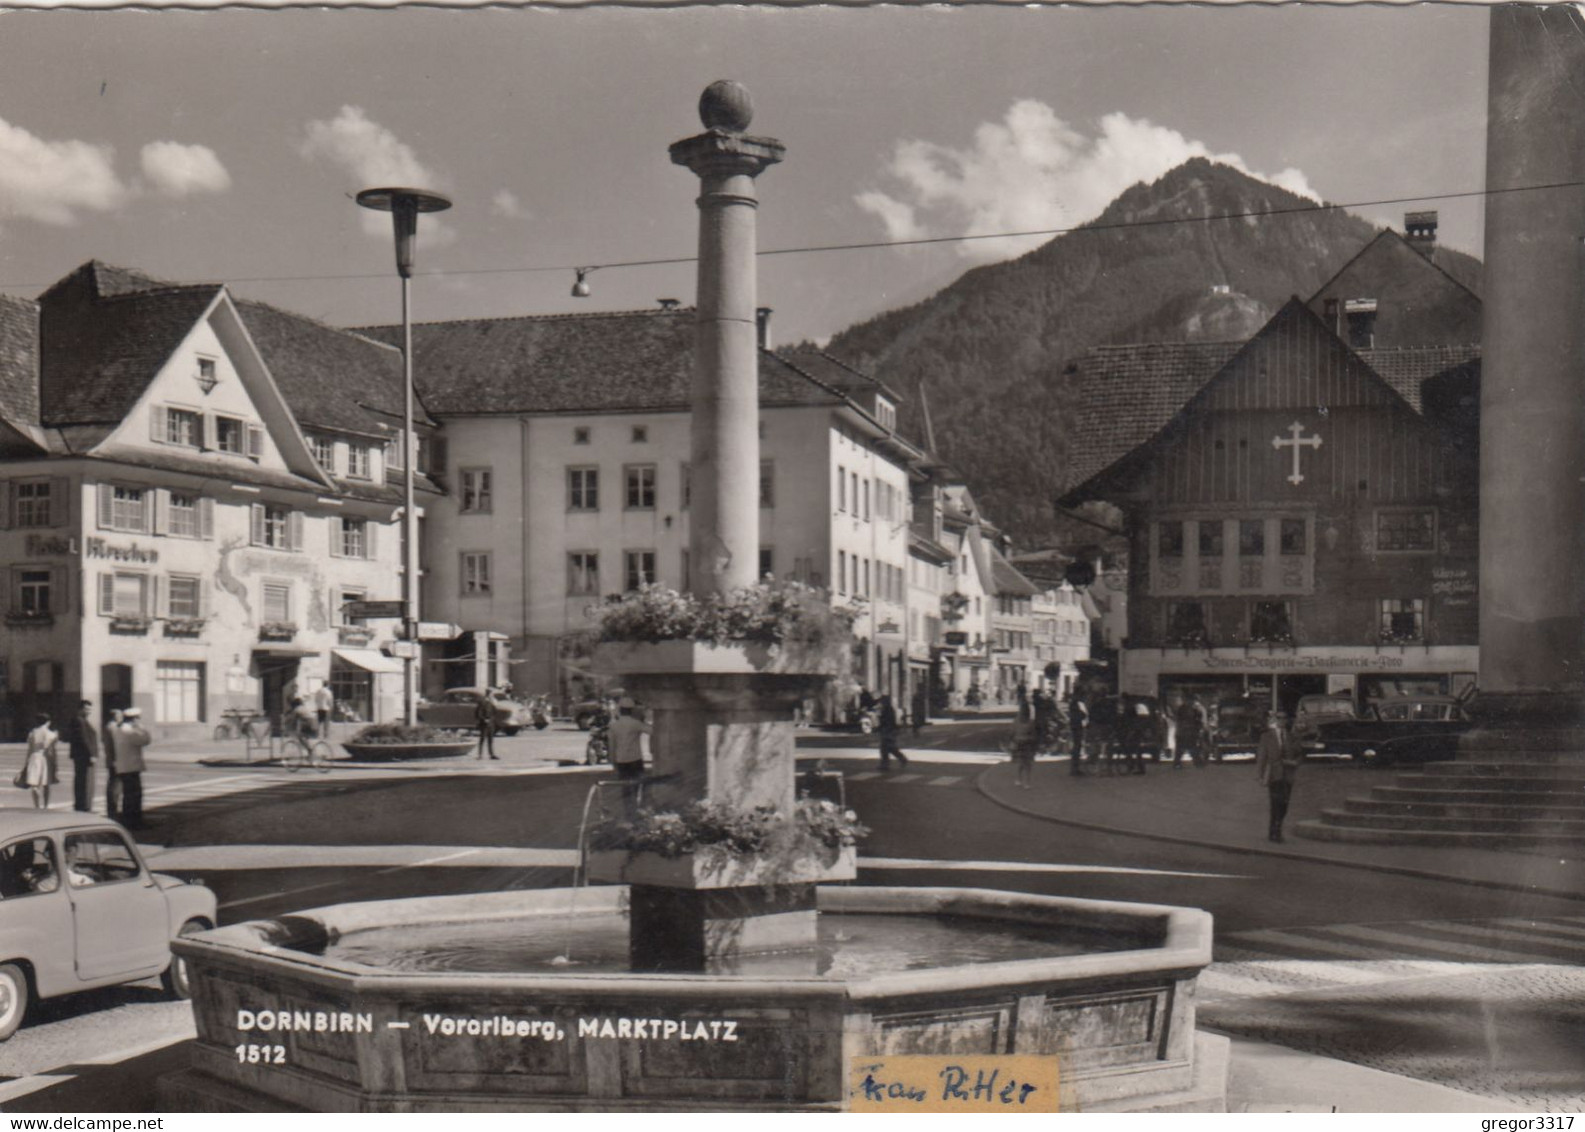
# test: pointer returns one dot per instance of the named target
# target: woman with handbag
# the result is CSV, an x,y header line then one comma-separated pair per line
x,y
38,772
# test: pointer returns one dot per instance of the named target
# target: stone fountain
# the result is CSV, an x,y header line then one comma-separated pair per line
x,y
733,992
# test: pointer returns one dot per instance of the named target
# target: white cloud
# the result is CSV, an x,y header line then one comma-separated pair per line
x,y
52,182
177,170
505,203
1031,172
372,156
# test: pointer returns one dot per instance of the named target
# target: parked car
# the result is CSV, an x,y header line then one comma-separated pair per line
x,y
1238,726
586,713
458,708
1400,729
80,909
1312,711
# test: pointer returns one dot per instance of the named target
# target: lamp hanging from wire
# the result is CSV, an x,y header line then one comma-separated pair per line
x,y
580,289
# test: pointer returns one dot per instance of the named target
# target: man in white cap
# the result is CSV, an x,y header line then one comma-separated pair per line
x,y
125,790
629,737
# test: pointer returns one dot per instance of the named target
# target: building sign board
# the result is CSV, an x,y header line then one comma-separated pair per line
x,y
99,548
403,650
1141,667
371,608
438,631
40,545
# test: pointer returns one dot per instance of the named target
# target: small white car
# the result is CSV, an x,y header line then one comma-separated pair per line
x,y
80,909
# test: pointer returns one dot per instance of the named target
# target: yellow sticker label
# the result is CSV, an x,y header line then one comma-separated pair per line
x,y
977,1083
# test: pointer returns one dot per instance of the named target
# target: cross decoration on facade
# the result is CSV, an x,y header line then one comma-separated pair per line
x,y
1295,441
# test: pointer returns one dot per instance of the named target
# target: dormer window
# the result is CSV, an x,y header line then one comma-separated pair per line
x,y
358,462
1360,315
208,376
324,450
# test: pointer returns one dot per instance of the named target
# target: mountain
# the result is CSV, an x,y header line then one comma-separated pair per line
x,y
990,348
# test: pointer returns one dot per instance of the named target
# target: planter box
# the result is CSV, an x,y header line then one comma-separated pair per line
x,y
712,867
377,751
744,658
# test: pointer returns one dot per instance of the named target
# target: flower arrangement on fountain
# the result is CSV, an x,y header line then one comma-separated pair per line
x,y
720,845
774,619
402,740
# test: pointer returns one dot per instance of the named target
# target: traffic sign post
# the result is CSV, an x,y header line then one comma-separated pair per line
x,y
438,631
404,650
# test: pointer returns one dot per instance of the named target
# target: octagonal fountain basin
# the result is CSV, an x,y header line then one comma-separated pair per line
x,y
522,1001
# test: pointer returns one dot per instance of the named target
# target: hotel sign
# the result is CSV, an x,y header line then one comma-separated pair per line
x,y
99,548
40,545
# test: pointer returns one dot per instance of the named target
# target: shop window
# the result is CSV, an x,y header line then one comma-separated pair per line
x,y
179,691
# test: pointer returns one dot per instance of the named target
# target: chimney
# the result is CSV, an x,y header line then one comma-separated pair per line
x,y
762,320
1419,228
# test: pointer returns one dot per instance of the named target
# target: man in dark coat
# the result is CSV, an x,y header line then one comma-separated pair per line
x,y
83,742
887,726
1277,762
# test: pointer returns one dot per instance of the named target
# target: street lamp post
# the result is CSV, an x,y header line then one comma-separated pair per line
x,y
404,205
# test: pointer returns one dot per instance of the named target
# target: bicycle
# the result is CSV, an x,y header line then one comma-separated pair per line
x,y
299,753
234,724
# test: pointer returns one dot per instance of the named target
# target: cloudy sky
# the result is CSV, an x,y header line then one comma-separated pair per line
x,y
225,145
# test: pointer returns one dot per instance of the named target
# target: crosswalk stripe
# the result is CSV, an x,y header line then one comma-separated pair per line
x,y
1286,943
1551,928
945,780
861,775
1545,946
906,776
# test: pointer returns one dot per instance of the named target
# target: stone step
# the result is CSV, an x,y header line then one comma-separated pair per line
x,y
1318,831
1462,810
1528,782
1567,740
1494,797
1519,769
1555,827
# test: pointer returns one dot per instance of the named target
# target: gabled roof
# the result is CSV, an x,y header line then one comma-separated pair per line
x,y
19,361
626,361
835,372
1007,578
98,352
1466,278
1127,394
1407,368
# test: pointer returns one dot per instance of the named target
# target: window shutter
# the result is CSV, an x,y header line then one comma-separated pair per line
x,y
206,517
155,596
369,529
337,536
255,442
294,530
257,510
60,501
157,423
203,597
5,505
148,508
211,432
438,452
107,593
60,601
13,590
106,506
160,499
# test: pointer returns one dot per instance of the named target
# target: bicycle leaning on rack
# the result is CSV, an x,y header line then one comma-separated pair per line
x,y
305,753
234,723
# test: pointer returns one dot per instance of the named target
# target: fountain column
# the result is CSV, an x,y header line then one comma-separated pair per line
x,y
1532,463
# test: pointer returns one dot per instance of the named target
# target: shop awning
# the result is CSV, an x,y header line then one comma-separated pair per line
x,y
282,652
370,660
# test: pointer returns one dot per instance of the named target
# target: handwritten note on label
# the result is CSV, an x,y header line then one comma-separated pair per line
x,y
919,1083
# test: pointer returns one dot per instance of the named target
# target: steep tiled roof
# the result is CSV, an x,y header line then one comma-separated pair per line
x,y
1407,368
98,354
19,360
1128,393
1007,578
332,378
622,361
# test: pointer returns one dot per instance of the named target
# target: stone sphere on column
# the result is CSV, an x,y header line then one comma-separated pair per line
x,y
726,105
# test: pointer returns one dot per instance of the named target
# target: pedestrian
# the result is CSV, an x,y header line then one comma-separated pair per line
x,y
919,709
1020,745
83,743
324,707
1167,731
1078,718
484,717
1137,728
38,772
112,783
887,726
629,736
127,740
304,719
1190,733
1277,762
1044,712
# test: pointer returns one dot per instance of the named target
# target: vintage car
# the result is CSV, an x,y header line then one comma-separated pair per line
x,y
1400,729
80,909
1312,711
1237,727
586,713
458,708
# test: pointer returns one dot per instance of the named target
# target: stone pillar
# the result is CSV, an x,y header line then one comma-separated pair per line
x,y
724,525
1532,429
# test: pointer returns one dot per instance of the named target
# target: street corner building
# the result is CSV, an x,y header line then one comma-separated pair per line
x,y
1301,505
191,487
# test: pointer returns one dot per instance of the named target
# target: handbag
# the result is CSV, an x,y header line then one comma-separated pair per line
x,y
21,779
